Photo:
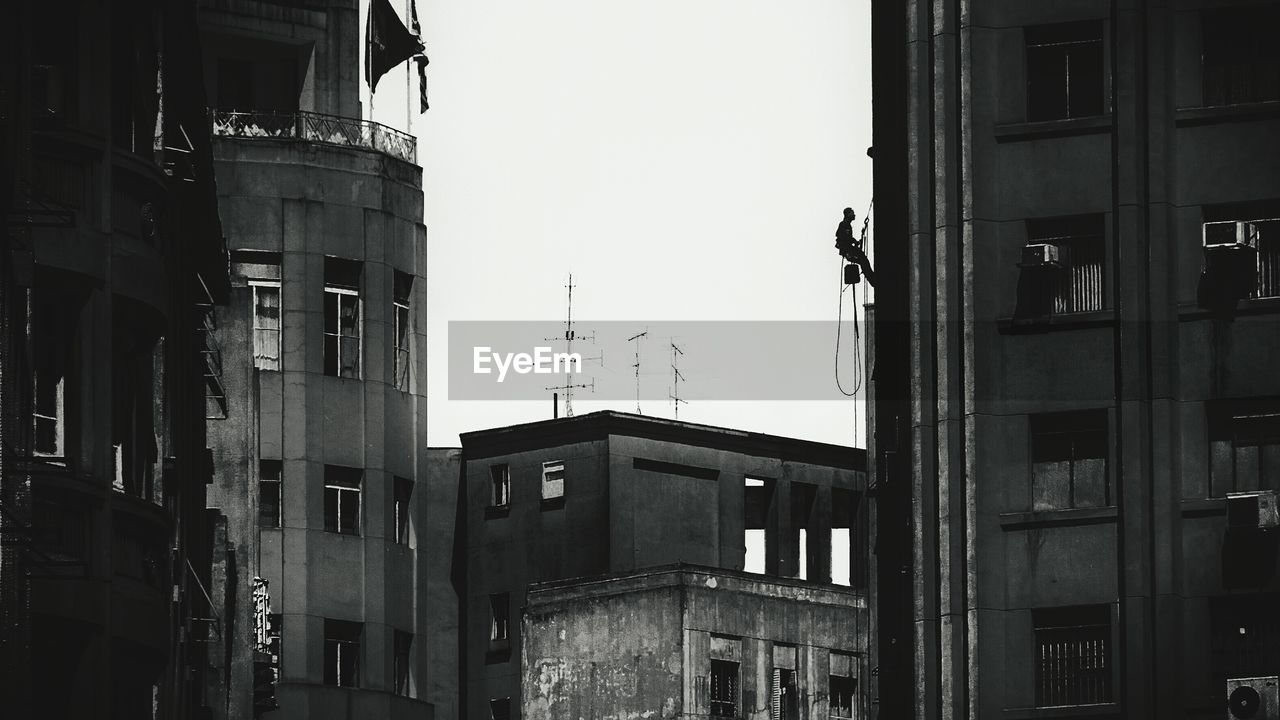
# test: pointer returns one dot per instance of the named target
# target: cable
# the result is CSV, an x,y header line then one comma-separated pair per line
x,y
857,385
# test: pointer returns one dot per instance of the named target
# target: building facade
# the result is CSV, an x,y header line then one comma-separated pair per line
x,y
1073,401
320,471
608,519
112,260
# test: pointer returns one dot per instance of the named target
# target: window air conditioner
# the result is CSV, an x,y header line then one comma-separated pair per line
x,y
1231,235
1253,510
1039,254
1255,698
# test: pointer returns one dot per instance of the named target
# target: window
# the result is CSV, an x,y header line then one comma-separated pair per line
x,y
500,709
757,536
1245,636
784,697
848,558
401,661
553,480
808,557
724,688
342,499
1240,56
342,319
842,687
400,507
499,617
402,328
266,324
1244,447
1065,73
269,475
1077,286
342,653
1263,218
1069,460
235,84
54,320
1073,660
500,478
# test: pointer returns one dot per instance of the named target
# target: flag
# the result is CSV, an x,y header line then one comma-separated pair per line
x,y
421,57
388,42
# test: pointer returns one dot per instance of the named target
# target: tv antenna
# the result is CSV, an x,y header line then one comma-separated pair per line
x,y
676,377
636,338
570,335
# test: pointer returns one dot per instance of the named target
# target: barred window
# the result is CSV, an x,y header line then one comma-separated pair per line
x,y
724,688
1240,58
1263,221
1065,71
1078,285
1245,636
1073,656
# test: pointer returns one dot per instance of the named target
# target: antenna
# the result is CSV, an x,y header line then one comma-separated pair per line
x,y
676,377
636,365
569,336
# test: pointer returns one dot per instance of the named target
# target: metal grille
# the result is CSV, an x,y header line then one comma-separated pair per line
x,y
724,688
1073,665
1268,284
315,127
1079,285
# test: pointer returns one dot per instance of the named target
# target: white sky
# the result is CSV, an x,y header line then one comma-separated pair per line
x,y
684,159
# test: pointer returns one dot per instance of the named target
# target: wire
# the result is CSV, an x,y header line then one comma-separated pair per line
x,y
857,369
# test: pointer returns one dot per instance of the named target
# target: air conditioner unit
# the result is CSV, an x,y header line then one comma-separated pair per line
x,y
1231,235
1043,255
1255,698
1257,510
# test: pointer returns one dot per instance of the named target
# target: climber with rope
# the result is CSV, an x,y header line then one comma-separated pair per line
x,y
851,249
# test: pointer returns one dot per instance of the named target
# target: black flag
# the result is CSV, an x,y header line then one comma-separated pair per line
x,y
388,42
421,58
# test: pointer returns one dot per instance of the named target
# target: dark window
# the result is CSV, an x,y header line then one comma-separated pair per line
x,y
402,328
342,317
758,532
401,661
500,477
1065,73
1244,447
1245,636
1075,282
499,617
553,480
403,494
235,85
342,653
809,559
840,697
848,561
1069,460
785,695
500,709
54,320
1260,223
724,688
342,499
269,486
1241,57
1073,659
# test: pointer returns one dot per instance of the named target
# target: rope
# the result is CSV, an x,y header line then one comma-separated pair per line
x,y
857,369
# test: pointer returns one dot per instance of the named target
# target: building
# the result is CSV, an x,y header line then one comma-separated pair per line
x,y
319,468
112,259
1073,401
607,563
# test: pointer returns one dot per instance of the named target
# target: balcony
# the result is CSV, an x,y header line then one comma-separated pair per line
x,y
315,127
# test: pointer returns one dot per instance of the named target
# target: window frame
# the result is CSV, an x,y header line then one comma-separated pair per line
x,y
1093,623
1253,20
401,325
500,477
1074,427
340,485
553,476
401,509
263,480
499,618
261,360
343,649
721,706
402,663
1074,32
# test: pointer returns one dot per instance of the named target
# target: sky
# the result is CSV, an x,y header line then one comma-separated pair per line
x,y
683,159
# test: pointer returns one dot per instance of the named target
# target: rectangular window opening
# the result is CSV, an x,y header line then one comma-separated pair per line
x,y
499,617
403,491
1069,460
500,709
724,689
552,479
342,653
1065,71
401,662
757,528
343,320
1239,55
402,328
342,499
1072,660
500,485
266,324
270,473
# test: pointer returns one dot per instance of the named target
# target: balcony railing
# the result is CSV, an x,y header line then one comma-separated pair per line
x,y
315,127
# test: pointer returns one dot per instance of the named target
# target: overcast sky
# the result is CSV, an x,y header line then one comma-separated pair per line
x,y
684,159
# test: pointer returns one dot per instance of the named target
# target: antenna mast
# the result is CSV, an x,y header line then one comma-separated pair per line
x,y
569,336
636,365
676,377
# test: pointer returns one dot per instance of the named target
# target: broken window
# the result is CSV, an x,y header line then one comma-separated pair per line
x,y
724,688
1065,75
500,485
848,565
1245,633
1244,447
784,696
402,328
499,617
1069,460
1072,660
400,507
553,480
401,661
269,507
500,709
842,687
809,557
342,317
266,324
1240,56
342,499
1260,223
757,509
342,653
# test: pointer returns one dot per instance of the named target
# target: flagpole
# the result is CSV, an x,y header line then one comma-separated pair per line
x,y
408,79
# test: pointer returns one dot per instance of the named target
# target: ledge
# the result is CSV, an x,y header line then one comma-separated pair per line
x,y
1053,323
1244,112
1038,519
1015,132
1206,507
496,511
1188,312
1065,711
554,503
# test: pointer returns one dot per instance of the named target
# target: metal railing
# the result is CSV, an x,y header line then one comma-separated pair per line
x,y
314,127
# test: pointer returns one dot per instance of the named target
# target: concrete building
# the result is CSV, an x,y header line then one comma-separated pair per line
x,y
1074,398
615,565
320,468
112,260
